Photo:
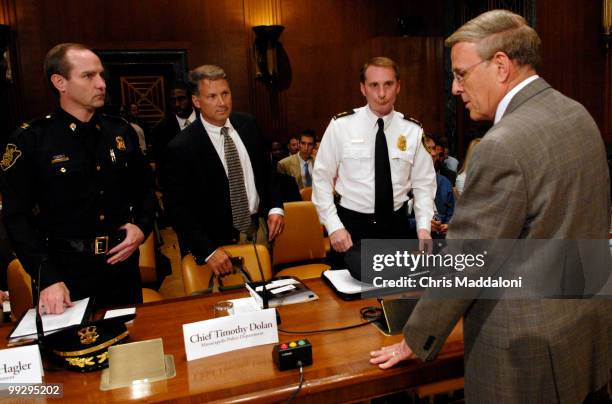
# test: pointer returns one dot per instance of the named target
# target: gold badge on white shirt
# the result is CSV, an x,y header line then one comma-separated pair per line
x,y
401,142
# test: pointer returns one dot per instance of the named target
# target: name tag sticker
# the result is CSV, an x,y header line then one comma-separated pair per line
x,y
224,334
20,365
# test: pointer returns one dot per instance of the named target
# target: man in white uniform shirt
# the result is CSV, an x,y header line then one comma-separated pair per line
x,y
376,157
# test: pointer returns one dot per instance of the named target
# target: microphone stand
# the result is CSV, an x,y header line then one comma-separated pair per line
x,y
265,295
39,326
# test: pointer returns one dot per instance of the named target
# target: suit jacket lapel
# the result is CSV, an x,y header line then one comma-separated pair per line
x,y
532,89
176,128
297,170
203,142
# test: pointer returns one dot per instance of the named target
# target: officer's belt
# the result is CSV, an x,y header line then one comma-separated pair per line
x,y
95,246
371,217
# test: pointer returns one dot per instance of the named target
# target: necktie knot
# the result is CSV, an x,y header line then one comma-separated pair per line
x,y
381,124
225,131
187,122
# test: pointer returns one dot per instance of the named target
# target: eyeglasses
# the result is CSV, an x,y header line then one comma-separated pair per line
x,y
461,75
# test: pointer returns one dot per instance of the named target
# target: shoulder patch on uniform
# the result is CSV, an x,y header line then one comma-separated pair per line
x,y
413,121
11,154
114,118
424,142
345,113
35,122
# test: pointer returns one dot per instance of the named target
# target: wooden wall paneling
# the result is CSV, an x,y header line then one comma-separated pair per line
x,y
267,100
421,71
321,80
11,103
572,51
320,38
212,32
33,34
5,9
607,118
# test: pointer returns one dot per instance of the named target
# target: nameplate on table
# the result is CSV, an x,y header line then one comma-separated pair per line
x,y
20,365
224,334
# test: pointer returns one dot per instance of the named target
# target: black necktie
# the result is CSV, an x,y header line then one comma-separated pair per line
x,y
383,189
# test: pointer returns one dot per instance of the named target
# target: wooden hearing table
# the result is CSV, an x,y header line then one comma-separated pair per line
x,y
341,370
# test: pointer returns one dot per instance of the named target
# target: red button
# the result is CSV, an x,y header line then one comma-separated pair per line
x,y
284,346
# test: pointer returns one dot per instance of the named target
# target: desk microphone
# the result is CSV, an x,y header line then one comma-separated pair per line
x,y
264,293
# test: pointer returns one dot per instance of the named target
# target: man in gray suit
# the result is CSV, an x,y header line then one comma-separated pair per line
x,y
539,173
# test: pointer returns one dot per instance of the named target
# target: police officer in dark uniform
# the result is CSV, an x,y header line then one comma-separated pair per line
x,y
78,194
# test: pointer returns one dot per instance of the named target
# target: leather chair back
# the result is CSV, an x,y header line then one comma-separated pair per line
x,y
146,262
302,236
20,289
306,193
196,278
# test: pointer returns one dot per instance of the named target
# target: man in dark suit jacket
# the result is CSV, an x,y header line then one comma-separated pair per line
x,y
180,114
540,350
217,176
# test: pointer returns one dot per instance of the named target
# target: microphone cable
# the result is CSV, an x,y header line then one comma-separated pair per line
x,y
370,314
299,387
264,292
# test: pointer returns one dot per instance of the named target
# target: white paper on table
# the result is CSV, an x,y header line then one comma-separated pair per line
x,y
276,283
71,316
119,312
245,305
345,283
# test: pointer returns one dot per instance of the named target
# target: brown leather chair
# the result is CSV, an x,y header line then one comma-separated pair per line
x,y
196,278
306,193
146,262
20,289
327,244
301,240
148,269
151,295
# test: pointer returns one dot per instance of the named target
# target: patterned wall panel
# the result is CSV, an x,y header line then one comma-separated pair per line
x,y
148,93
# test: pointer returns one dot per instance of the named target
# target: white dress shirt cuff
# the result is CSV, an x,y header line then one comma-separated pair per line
x,y
276,211
213,253
423,223
333,224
